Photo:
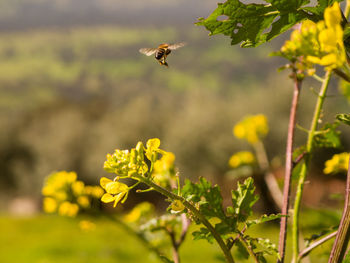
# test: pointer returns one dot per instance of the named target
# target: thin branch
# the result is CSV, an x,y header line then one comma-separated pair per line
x,y
299,158
315,244
343,235
288,168
305,165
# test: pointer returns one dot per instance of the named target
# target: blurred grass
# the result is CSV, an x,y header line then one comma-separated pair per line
x,y
52,239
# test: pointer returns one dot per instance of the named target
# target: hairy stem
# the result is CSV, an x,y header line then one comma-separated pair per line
x,y
305,166
315,244
288,168
195,212
341,241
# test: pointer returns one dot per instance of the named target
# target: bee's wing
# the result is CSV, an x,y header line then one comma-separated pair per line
x,y
148,51
176,46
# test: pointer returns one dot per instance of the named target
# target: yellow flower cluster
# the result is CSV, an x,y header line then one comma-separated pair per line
x,y
252,128
164,170
242,158
132,164
338,163
318,43
64,194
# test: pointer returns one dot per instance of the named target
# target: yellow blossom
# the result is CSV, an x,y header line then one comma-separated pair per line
x,y
78,188
252,128
68,209
83,201
241,158
115,191
49,205
338,163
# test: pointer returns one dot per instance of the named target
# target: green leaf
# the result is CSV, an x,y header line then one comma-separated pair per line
x,y
242,249
318,10
203,233
208,197
328,136
344,118
263,219
243,199
253,24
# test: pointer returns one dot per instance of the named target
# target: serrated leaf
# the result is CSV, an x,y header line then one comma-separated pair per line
x,y
328,137
318,10
344,118
263,219
253,24
243,199
208,197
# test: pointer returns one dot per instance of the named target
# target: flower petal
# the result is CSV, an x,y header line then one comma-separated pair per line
x,y
104,181
107,198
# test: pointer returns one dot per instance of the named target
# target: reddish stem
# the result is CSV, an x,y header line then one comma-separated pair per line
x,y
288,168
342,239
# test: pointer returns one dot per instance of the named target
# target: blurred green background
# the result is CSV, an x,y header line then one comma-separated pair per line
x,y
73,87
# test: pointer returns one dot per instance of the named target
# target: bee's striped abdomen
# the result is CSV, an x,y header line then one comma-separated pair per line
x,y
160,53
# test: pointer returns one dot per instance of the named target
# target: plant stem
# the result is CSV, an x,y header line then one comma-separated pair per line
x,y
343,235
305,166
269,178
288,168
248,248
315,244
195,212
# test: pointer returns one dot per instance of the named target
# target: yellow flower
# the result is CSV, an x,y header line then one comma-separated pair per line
x,y
78,188
241,158
68,209
338,163
83,201
320,43
251,128
49,205
94,191
115,191
332,15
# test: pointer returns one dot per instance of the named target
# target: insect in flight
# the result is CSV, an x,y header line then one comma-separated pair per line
x,y
161,52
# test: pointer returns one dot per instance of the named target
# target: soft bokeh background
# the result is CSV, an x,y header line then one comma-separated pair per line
x,y
74,87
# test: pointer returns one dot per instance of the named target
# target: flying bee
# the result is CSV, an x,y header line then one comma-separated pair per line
x,y
161,52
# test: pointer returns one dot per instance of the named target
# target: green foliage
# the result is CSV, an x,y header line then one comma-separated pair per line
x,y
344,118
328,136
254,24
263,219
243,199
